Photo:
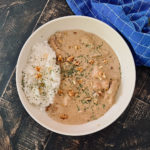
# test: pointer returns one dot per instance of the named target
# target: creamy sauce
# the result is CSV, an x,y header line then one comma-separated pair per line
x,y
90,77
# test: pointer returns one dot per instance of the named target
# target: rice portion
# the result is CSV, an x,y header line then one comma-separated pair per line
x,y
41,75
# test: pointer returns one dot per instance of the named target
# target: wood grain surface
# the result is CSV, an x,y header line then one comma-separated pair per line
x,y
17,18
18,131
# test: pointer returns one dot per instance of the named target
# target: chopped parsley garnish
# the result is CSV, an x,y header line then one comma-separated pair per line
x,y
81,86
22,83
87,45
99,46
78,108
84,102
103,105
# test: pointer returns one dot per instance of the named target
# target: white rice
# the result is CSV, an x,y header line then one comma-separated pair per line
x,y
41,75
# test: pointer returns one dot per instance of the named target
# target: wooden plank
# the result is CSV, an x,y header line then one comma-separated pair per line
x,y
4,138
136,128
142,74
54,9
17,19
31,136
22,130
139,110
97,141
143,84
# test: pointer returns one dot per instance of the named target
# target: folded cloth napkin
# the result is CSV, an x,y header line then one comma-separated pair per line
x,y
129,17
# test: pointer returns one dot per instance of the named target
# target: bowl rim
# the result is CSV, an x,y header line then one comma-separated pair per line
x,y
94,130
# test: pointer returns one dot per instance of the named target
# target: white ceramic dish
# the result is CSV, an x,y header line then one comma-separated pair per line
x,y
127,73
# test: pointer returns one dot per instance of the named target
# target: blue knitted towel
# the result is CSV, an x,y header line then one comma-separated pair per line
x,y
129,17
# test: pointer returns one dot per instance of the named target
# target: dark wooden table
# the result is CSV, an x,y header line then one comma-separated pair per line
x,y
18,131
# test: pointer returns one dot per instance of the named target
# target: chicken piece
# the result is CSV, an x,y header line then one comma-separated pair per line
x,y
98,73
97,85
111,92
65,100
105,84
95,72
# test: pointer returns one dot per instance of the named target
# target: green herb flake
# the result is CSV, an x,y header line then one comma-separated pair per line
x,y
84,102
81,86
78,108
78,96
82,74
85,109
103,105
99,46
87,45
96,104
71,71
93,117
22,83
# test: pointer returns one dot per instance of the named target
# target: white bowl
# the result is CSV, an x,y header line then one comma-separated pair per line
x,y
127,73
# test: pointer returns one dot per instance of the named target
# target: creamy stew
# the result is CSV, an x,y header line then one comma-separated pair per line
x,y
90,77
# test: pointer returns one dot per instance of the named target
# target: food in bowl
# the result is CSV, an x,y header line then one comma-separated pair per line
x,y
90,77
127,67
41,75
